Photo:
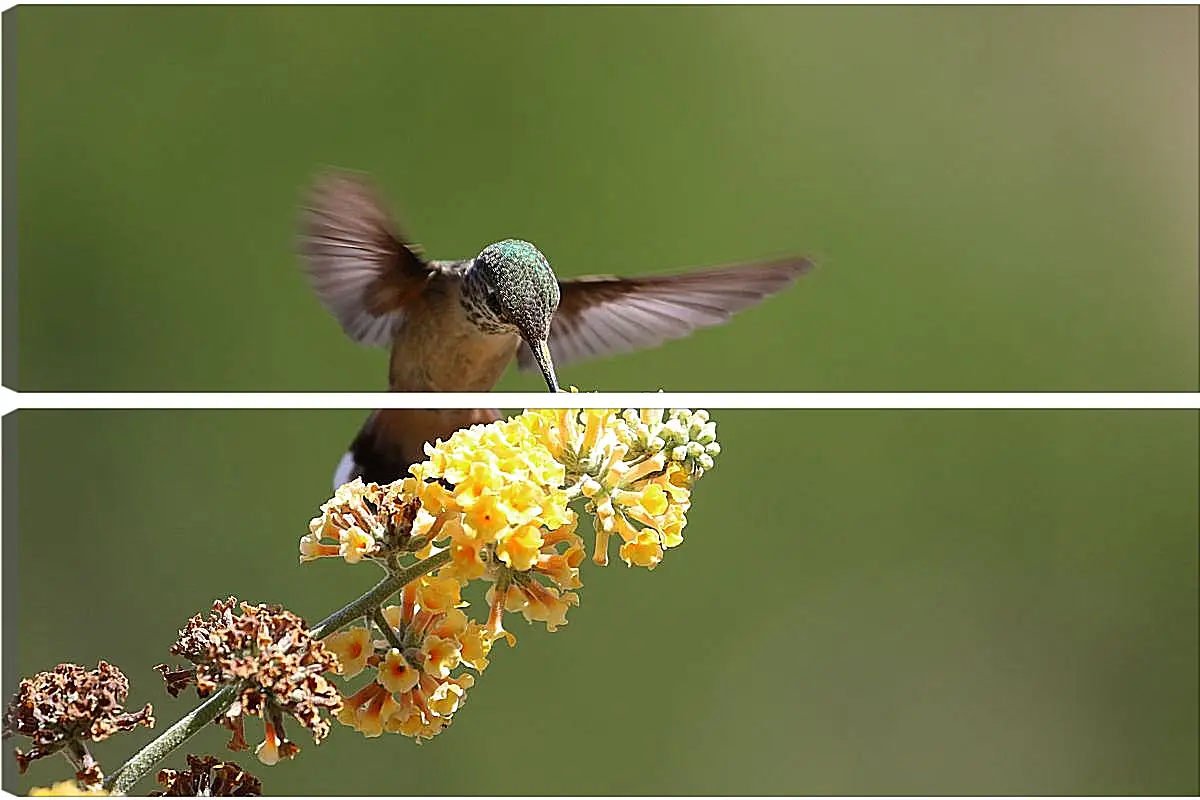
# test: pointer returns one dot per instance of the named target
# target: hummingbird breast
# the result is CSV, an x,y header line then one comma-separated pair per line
x,y
438,349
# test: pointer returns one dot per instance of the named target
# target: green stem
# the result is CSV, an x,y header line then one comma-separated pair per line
x,y
190,724
381,591
79,756
141,762
386,629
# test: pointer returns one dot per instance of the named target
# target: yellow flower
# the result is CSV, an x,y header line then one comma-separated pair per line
x,y
408,721
439,594
562,567
654,500
396,673
482,479
268,750
536,602
68,788
494,629
311,548
676,482
520,550
450,624
368,710
352,648
447,697
643,550
466,559
416,718
354,543
441,656
351,520
476,645
435,498
487,517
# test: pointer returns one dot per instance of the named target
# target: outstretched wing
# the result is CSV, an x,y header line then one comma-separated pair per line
x,y
361,269
604,315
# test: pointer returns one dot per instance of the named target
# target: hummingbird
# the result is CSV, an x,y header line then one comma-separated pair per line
x,y
456,325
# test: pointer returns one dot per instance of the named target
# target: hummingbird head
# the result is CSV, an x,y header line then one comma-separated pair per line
x,y
510,286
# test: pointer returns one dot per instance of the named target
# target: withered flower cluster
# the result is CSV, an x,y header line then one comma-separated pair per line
x,y
269,653
208,777
60,708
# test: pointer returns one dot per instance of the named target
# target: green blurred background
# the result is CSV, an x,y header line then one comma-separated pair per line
x,y
866,602
956,602
999,199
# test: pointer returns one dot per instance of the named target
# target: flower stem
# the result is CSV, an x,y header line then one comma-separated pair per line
x,y
386,629
141,762
144,760
80,757
381,591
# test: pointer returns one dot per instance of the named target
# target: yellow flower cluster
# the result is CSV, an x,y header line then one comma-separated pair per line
x,y
349,525
412,690
495,498
506,519
508,490
638,482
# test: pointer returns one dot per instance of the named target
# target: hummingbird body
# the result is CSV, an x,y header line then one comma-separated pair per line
x,y
457,355
455,326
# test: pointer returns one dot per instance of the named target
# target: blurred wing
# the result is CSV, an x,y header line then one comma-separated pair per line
x,y
601,316
362,272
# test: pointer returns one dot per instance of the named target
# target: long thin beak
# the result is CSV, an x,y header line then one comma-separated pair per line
x,y
541,354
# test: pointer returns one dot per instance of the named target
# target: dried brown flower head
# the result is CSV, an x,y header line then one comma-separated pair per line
x,y
58,708
89,774
208,777
269,652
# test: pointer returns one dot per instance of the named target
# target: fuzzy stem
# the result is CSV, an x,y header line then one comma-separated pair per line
x,y
377,594
144,760
141,762
386,629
